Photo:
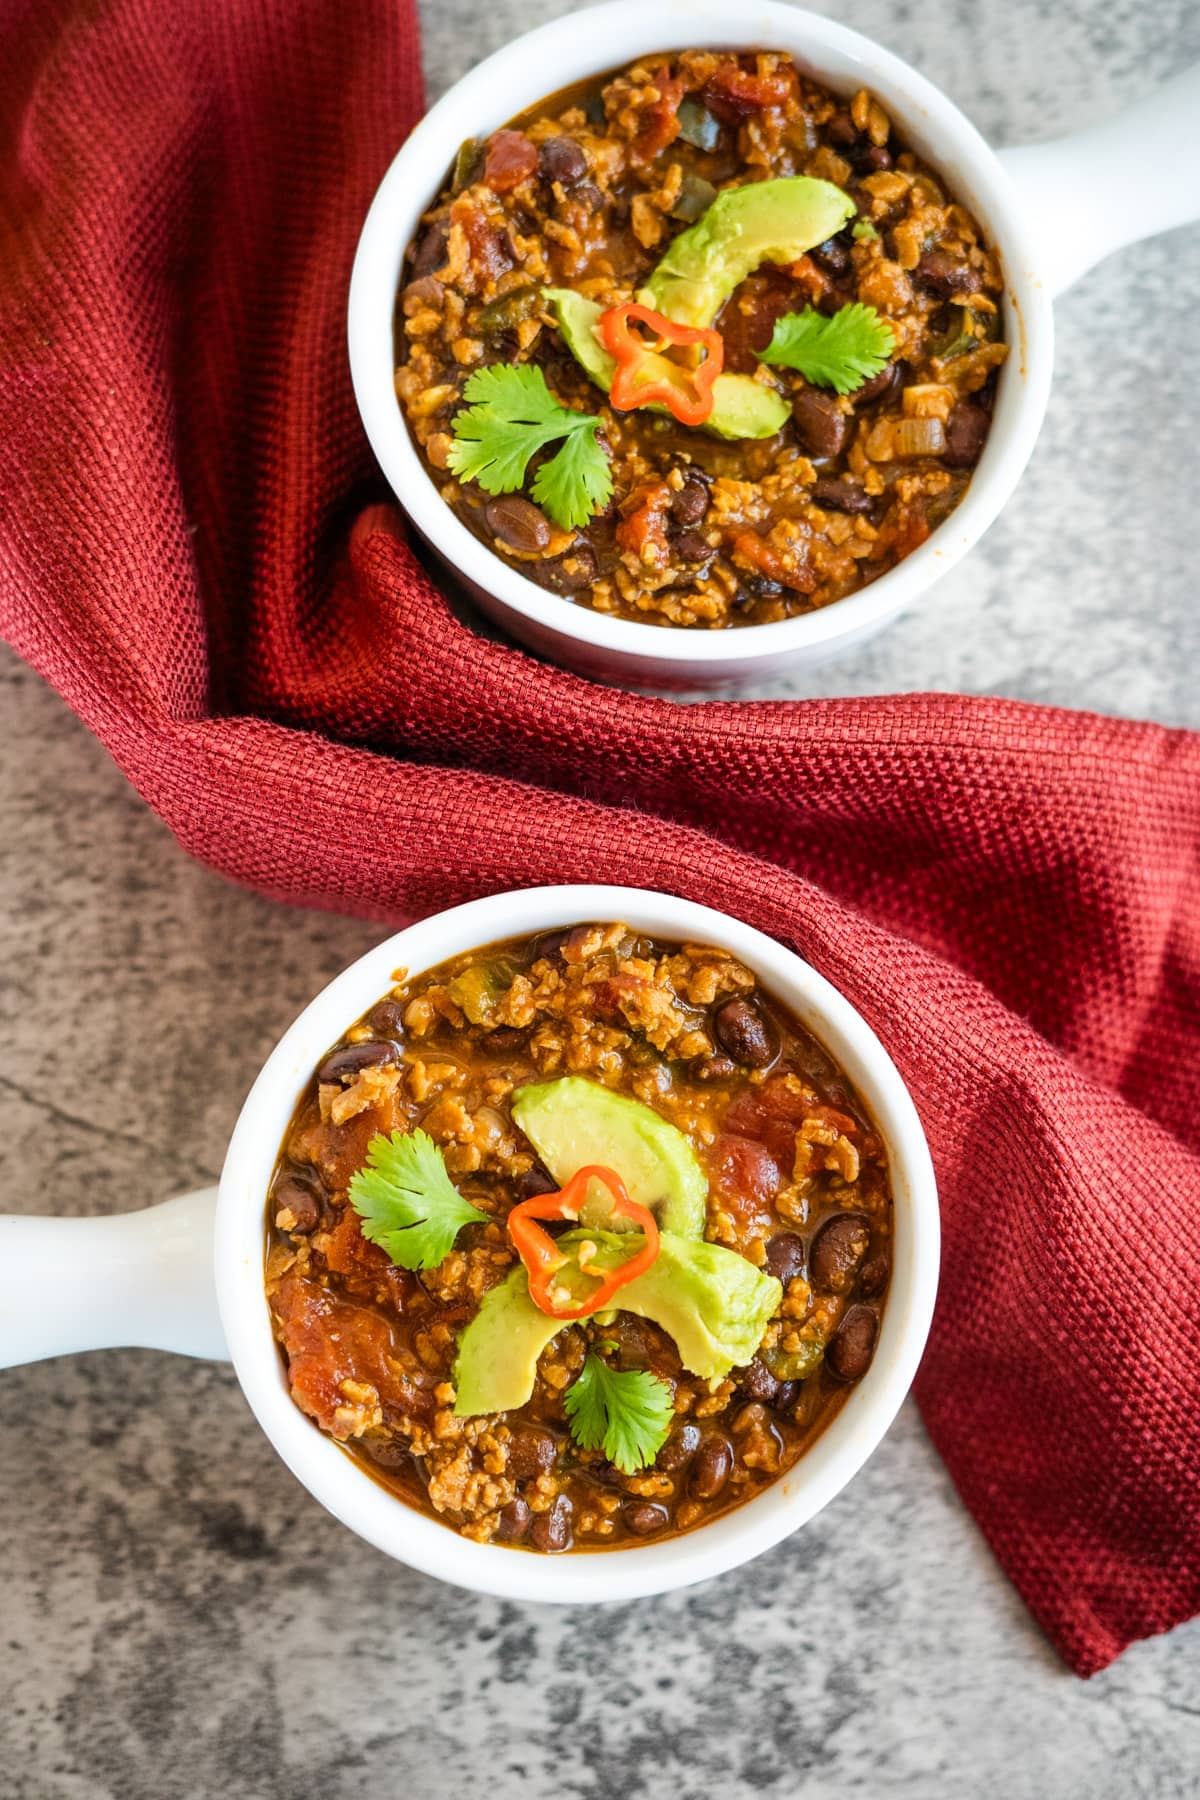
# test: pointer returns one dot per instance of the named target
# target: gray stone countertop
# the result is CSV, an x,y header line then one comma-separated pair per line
x,y
178,1620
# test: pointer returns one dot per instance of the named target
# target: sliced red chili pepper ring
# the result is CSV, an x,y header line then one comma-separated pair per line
x,y
646,377
543,1258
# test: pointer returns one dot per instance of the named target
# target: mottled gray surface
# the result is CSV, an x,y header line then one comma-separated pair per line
x,y
178,1621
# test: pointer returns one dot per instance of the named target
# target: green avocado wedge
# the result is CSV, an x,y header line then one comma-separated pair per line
x,y
497,1359
764,221
742,407
713,1302
572,1122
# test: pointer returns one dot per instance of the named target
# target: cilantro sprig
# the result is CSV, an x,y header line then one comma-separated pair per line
x,y
511,416
407,1202
840,351
627,1411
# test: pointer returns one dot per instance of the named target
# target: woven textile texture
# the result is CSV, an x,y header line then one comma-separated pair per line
x,y
196,550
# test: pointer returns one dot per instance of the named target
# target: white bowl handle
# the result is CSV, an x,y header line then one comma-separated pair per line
x,y
88,1284
1111,184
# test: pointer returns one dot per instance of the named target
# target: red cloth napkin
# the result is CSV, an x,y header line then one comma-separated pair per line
x,y
193,550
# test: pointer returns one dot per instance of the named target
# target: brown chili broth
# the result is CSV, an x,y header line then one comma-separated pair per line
x,y
792,502
408,1304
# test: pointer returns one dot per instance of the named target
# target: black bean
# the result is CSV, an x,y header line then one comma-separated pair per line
x,y
837,1249
551,1531
742,1031
759,587
588,194
878,385
645,1518
966,434
692,547
756,1382
679,1448
388,1453
870,158
840,496
568,574
562,160
352,1058
842,131
711,1468
821,426
551,942
536,1181
298,1200
518,523
948,275
505,1038
530,1453
833,256
691,502
853,1344
786,1256
873,1277
430,253
387,1018
785,1396
713,1068
514,1521
428,291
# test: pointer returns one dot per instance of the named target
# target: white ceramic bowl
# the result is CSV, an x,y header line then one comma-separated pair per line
x,y
152,1278
1051,211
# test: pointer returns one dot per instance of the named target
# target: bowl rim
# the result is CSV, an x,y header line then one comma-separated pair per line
x,y
500,86
638,1571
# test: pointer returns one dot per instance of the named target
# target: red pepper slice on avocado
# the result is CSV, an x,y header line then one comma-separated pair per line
x,y
644,375
543,1259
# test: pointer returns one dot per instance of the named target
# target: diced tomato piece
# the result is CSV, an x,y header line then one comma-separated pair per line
x,y
912,527
510,160
837,1121
744,1179
748,317
491,251
660,123
339,1151
733,94
772,1114
752,552
329,1340
813,282
367,1270
644,529
607,995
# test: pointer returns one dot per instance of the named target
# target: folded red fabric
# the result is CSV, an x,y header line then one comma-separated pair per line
x,y
193,549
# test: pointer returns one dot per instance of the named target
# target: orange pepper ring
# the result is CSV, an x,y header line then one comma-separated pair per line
x,y
630,352
543,1258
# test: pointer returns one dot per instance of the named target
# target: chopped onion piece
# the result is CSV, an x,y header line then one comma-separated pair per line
x,y
919,437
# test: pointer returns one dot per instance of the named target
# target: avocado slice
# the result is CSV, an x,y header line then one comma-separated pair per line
x,y
742,407
498,1352
713,1302
765,221
572,1122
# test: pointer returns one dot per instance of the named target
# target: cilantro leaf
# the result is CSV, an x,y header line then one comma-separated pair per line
x,y
576,482
511,416
407,1202
840,352
627,1411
